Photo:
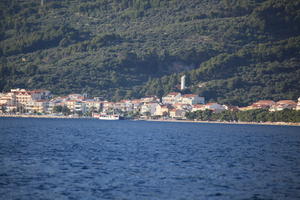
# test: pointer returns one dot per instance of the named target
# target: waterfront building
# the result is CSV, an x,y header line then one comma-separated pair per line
x,y
137,103
106,106
191,99
9,108
198,107
150,99
76,106
80,107
40,94
177,113
77,97
8,99
263,104
182,106
148,108
171,98
92,105
215,107
71,105
162,110
283,104
37,106
23,96
57,101
126,105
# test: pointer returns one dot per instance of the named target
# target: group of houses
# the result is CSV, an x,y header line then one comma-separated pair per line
x,y
273,106
172,105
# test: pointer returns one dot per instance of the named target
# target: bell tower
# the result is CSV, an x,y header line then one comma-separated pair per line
x,y
182,83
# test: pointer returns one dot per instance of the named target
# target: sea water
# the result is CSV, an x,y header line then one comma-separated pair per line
x,y
136,160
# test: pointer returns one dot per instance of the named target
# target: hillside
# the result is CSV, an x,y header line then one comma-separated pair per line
x,y
231,51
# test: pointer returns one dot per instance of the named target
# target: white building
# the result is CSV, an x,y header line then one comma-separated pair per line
x,y
10,108
78,97
182,83
162,110
191,99
58,101
150,99
126,105
215,107
106,106
40,94
76,106
23,96
92,104
8,99
198,107
80,107
171,98
37,106
137,103
181,106
148,108
177,113
298,104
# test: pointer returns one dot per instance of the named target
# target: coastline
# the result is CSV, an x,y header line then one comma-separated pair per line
x,y
154,120
225,122
41,116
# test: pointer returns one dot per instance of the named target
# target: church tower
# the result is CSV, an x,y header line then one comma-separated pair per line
x,y
182,84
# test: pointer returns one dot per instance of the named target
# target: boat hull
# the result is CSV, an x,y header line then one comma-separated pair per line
x,y
109,117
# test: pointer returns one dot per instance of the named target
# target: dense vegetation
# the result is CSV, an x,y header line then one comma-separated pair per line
x,y
259,115
232,51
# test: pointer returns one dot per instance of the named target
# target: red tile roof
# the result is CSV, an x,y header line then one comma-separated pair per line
x,y
40,100
290,102
125,101
136,101
198,106
264,102
209,104
173,94
189,95
38,91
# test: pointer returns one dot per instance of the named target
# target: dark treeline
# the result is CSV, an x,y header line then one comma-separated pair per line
x,y
258,115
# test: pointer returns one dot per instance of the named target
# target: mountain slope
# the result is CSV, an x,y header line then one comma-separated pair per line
x,y
237,50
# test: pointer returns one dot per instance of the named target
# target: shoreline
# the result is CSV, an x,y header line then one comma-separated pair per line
x,y
156,120
42,116
225,122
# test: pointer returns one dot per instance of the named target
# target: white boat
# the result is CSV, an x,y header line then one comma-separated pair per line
x,y
109,117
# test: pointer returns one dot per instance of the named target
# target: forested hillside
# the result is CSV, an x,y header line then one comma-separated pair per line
x,y
232,51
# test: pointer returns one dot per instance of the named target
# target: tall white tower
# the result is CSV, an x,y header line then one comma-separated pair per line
x,y
182,85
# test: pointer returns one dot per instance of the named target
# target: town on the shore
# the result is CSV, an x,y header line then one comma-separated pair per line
x,y
171,106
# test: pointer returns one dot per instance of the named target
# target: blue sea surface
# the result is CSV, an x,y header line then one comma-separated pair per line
x,y
137,160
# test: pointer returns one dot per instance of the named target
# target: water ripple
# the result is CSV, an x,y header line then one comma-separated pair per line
x,y
91,159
